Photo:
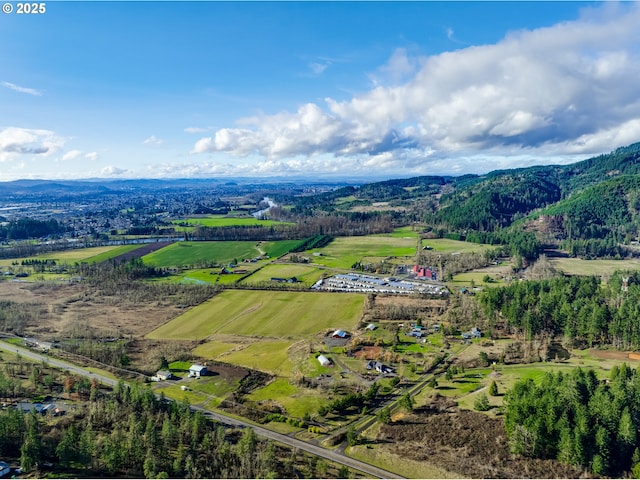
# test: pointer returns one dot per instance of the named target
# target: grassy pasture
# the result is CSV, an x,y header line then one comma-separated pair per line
x,y
214,349
444,245
401,232
203,275
305,274
278,248
578,266
343,252
267,355
296,401
223,221
265,313
189,253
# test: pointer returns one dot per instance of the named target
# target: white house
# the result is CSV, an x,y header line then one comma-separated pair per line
x,y
197,370
161,375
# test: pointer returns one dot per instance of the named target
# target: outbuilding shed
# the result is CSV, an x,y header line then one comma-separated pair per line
x,y
324,361
197,370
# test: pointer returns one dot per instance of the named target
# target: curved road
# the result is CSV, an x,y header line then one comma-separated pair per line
x,y
333,456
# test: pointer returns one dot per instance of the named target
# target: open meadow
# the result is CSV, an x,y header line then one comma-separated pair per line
x,y
307,275
343,252
220,221
194,253
445,245
578,266
265,314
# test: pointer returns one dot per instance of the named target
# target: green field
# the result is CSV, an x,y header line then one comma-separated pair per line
x,y
266,355
296,401
305,274
343,252
578,266
193,253
402,232
265,313
444,245
224,221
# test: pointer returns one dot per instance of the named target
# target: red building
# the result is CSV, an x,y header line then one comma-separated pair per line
x,y
424,272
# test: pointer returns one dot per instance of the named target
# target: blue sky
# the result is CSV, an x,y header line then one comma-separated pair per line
x,y
318,89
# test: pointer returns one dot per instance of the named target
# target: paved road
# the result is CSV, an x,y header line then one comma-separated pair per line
x,y
334,456
61,364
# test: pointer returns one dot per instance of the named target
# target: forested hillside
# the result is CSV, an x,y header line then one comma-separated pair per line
x,y
505,196
589,208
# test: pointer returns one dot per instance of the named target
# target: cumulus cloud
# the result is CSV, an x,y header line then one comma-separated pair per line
x,y
18,88
93,156
398,69
112,171
15,141
153,140
562,90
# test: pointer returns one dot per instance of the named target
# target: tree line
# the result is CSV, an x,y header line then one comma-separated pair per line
x,y
131,433
578,308
26,228
331,225
578,419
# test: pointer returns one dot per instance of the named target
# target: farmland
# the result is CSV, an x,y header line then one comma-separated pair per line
x,y
262,313
445,245
93,254
194,253
343,252
220,221
304,274
579,266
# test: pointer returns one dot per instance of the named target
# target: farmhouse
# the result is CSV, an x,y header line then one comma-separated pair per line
x,y
197,370
161,375
284,280
324,361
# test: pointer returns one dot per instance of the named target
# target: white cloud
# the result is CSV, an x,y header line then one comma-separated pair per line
x,y
93,156
18,88
15,141
318,68
398,69
70,155
112,171
153,140
558,91
196,130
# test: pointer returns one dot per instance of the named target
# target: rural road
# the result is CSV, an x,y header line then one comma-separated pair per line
x,y
61,364
333,456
